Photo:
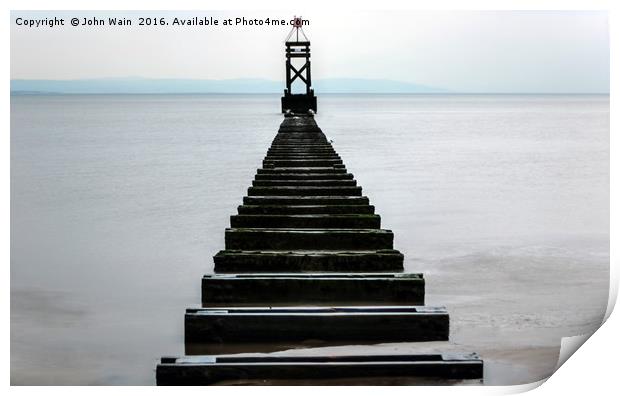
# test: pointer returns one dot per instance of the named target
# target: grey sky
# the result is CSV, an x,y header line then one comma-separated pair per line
x,y
466,51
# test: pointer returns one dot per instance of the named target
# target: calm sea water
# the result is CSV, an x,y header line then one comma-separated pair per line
x,y
119,202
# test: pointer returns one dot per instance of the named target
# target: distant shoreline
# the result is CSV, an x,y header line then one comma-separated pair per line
x,y
249,86
35,93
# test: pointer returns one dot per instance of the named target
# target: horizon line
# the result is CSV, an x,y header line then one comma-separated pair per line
x,y
43,93
333,86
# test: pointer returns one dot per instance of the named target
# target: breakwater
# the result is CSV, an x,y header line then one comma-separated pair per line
x,y
306,258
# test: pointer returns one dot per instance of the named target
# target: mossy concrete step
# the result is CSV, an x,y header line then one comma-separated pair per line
x,y
300,156
282,289
289,154
236,261
239,261
305,191
300,138
297,163
271,158
306,200
208,370
316,183
297,149
306,209
294,133
299,129
298,120
305,176
301,163
306,128
344,324
302,153
299,142
301,170
306,221
307,239
291,144
300,148
298,153
301,134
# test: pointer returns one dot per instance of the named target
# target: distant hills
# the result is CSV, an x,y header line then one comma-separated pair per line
x,y
195,86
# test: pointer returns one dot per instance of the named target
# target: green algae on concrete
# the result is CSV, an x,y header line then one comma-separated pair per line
x,y
238,261
317,288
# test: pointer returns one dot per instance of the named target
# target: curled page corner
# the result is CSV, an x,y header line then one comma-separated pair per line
x,y
613,293
532,385
570,345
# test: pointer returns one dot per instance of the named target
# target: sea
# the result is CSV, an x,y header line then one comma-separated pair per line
x,y
119,202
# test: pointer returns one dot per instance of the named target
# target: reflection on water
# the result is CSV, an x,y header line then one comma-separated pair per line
x,y
256,347
119,202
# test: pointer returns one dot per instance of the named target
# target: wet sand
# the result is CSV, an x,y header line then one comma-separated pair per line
x,y
511,314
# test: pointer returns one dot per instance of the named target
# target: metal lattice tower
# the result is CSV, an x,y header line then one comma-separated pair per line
x,y
298,50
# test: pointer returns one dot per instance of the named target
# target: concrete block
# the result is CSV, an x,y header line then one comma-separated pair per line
x,y
301,150
300,138
307,145
237,261
300,170
304,176
282,289
306,221
305,200
307,239
346,324
308,183
313,163
305,191
207,370
277,157
305,209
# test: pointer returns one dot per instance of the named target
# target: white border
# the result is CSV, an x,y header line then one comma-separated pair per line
x,y
594,367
